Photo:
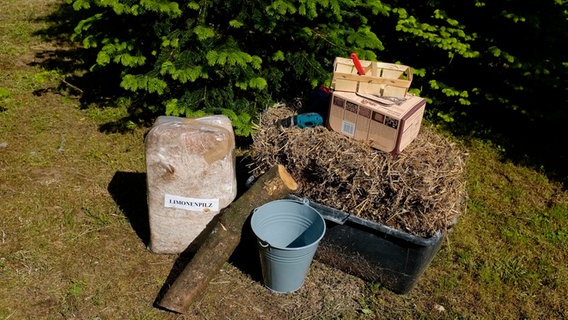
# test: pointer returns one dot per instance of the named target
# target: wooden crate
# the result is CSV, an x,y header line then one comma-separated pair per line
x,y
384,79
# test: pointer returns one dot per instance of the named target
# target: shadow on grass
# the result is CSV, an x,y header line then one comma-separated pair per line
x,y
245,256
538,143
128,190
73,66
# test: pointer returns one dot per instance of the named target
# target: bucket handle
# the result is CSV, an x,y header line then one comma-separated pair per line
x,y
263,243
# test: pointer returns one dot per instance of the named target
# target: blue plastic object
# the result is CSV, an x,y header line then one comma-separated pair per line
x,y
303,120
309,120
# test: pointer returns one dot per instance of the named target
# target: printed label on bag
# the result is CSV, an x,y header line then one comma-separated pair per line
x,y
191,204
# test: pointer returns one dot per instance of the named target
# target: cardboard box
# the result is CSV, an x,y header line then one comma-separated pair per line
x,y
384,79
389,124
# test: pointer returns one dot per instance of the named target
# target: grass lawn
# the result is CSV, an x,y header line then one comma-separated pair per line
x,y
72,195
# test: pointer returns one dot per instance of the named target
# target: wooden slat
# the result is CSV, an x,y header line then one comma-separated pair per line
x,y
380,77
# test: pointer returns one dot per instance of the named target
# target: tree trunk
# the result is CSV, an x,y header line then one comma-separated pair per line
x,y
224,238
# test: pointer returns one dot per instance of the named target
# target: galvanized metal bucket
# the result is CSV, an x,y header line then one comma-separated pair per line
x,y
288,233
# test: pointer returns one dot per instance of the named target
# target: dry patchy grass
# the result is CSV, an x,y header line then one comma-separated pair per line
x,y
72,230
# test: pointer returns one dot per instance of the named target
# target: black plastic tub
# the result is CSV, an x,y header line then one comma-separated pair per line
x,y
372,251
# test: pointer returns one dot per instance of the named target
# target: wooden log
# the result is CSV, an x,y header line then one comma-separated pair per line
x,y
224,238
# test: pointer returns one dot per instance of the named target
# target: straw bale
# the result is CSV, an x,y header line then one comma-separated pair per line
x,y
418,191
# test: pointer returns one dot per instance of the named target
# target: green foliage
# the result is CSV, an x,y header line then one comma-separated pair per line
x,y
448,35
180,57
232,57
143,82
242,122
4,97
499,55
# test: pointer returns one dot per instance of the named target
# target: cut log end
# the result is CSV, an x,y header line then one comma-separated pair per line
x,y
287,179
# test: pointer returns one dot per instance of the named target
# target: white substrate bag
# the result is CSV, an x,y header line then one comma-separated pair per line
x,y
190,166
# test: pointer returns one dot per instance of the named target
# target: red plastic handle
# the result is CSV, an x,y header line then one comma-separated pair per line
x,y
357,63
